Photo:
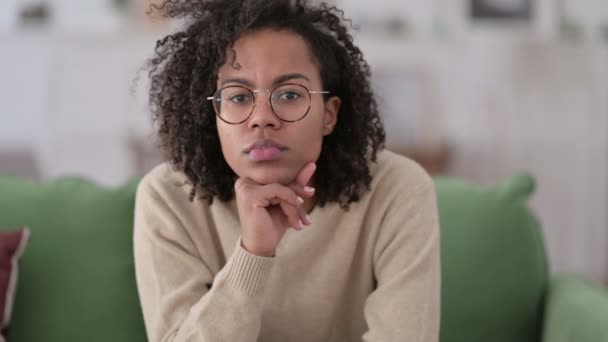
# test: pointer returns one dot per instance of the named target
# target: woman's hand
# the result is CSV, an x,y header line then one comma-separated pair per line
x,y
267,211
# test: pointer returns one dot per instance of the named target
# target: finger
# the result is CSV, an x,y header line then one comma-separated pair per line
x,y
240,184
304,216
270,192
292,214
306,173
302,190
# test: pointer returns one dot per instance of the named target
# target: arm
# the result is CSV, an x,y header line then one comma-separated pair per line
x,y
576,310
406,303
172,281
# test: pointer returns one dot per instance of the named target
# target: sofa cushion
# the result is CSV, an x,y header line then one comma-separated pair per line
x,y
494,269
12,245
77,278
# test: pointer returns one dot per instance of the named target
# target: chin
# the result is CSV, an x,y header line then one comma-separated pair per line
x,y
267,175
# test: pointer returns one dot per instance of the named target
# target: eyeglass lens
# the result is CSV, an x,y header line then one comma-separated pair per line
x,y
234,104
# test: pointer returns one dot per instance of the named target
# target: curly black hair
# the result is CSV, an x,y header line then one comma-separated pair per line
x,y
183,72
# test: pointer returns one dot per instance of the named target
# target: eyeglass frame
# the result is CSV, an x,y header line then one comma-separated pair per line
x,y
269,91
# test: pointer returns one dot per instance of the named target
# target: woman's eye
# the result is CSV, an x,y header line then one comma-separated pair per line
x,y
289,96
239,98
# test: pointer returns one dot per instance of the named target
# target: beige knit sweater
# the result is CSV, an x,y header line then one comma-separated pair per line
x,y
368,274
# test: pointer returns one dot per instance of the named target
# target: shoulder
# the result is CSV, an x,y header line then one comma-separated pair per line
x,y
167,187
395,174
403,203
164,182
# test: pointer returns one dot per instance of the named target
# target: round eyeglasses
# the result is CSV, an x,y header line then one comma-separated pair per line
x,y
290,102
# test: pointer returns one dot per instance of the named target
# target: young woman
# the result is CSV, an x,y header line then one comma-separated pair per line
x,y
279,216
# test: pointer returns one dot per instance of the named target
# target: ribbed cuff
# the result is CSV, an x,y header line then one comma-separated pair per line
x,y
248,272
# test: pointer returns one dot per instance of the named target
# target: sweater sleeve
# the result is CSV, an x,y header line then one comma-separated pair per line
x,y
173,281
405,306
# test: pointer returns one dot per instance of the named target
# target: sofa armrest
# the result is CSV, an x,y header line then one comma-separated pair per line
x,y
576,311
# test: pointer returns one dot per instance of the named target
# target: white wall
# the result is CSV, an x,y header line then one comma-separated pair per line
x,y
68,98
505,101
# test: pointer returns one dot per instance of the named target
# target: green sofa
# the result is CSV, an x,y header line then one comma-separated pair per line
x,y
76,281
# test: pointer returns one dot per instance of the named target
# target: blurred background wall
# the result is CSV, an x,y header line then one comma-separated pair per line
x,y
477,89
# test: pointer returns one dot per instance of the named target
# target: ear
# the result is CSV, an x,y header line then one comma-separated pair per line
x,y
332,107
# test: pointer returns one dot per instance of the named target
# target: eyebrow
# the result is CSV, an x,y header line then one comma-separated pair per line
x,y
279,80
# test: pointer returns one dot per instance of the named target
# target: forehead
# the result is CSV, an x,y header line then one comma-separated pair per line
x,y
266,54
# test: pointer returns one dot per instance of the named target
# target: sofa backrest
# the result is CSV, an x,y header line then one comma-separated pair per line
x,y
494,268
77,282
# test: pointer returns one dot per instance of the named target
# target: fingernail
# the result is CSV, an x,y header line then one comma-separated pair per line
x,y
309,189
300,225
308,219
300,200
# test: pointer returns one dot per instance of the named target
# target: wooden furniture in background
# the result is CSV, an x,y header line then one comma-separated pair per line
x,y
433,158
19,162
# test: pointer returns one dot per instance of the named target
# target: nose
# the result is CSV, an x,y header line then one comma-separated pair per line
x,y
262,115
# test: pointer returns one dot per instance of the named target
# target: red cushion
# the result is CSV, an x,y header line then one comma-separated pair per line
x,y
12,244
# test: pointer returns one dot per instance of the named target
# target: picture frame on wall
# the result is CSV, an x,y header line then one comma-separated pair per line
x,y
502,10
509,19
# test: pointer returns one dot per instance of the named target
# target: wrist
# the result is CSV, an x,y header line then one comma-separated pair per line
x,y
257,252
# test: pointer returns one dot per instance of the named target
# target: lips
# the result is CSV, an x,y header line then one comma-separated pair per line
x,y
264,150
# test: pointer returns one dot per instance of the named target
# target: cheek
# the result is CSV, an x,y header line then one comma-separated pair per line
x,y
228,144
310,143
223,137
